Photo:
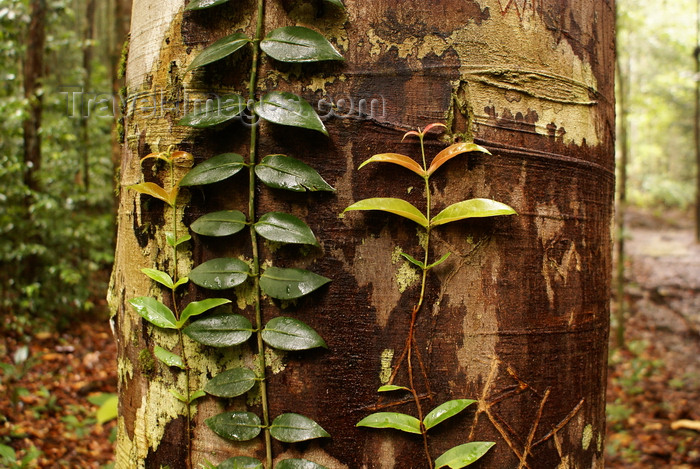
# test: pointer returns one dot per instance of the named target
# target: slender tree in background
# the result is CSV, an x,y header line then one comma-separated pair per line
x,y
88,38
33,72
517,317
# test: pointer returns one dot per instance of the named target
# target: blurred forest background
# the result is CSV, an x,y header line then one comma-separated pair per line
x,y
59,132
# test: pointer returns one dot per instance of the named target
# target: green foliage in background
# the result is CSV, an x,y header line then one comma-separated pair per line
x,y
55,244
656,40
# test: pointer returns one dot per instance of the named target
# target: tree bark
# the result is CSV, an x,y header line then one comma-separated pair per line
x,y
517,317
33,72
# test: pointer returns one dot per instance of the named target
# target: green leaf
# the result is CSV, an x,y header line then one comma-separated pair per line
x,y
154,190
222,223
196,308
170,239
231,383
108,409
298,464
159,276
389,204
396,158
413,260
291,334
154,312
298,44
284,108
215,169
292,428
395,420
169,358
181,281
450,152
446,410
392,387
439,261
201,4
8,453
219,49
285,172
285,228
241,462
220,274
227,107
338,3
178,396
287,284
225,330
236,426
473,208
196,395
463,455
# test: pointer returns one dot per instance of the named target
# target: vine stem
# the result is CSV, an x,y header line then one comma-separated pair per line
x,y
252,158
181,340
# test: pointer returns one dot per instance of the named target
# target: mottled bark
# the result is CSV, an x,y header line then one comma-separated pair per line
x,y
517,317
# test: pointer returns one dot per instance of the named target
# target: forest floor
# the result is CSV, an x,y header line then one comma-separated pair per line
x,y
653,384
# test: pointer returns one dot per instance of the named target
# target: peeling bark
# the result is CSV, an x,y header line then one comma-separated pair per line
x,y
517,317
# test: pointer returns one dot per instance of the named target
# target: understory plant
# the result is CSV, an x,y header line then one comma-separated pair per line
x,y
464,454
219,327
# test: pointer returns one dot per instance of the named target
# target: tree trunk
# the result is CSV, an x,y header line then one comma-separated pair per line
x,y
33,72
517,317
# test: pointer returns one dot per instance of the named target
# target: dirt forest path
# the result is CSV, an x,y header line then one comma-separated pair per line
x,y
654,386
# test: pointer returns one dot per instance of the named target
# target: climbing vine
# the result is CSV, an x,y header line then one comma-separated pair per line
x,y
220,328
462,455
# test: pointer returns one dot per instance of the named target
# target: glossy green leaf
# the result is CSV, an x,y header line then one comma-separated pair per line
x,y
446,410
439,261
389,204
154,190
220,273
291,334
224,330
392,387
231,383
473,208
154,312
285,172
169,358
201,4
287,284
338,3
396,158
395,420
413,260
236,426
196,308
159,276
286,108
181,281
292,428
222,223
241,462
179,396
285,228
219,49
215,169
298,44
463,455
454,150
197,394
170,239
215,112
298,464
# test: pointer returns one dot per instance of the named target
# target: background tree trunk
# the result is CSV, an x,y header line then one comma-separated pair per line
x,y
517,317
33,71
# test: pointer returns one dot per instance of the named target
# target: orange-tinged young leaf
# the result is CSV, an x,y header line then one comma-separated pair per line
x,y
396,158
156,156
412,132
182,158
154,190
431,126
450,152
